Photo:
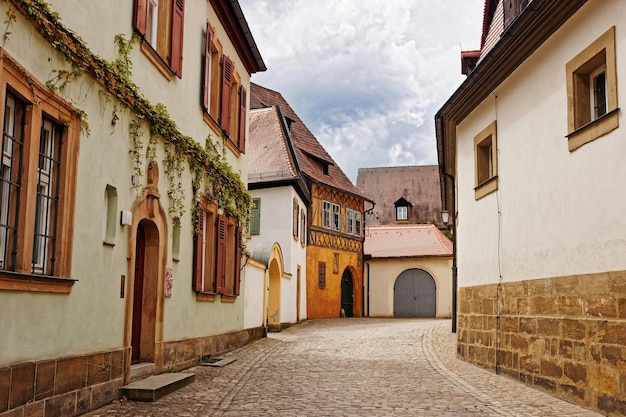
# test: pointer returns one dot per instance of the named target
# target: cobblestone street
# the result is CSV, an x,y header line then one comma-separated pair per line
x,y
350,367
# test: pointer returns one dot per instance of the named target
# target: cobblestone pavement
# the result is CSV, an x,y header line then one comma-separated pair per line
x,y
350,367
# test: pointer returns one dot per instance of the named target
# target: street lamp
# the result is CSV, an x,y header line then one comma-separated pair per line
x,y
445,216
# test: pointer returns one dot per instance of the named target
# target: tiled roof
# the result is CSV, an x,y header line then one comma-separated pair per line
x,y
311,155
404,241
416,184
269,157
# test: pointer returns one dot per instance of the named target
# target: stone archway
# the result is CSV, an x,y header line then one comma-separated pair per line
x,y
147,258
273,307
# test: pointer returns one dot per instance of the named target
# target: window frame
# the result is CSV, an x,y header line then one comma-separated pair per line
x,y
486,160
326,214
321,277
41,103
336,217
404,210
582,125
349,221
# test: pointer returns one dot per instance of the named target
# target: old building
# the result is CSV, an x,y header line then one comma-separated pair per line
x,y
279,217
403,194
334,220
530,148
122,204
407,260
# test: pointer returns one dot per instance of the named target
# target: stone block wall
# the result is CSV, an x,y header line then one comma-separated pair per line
x,y
565,335
67,386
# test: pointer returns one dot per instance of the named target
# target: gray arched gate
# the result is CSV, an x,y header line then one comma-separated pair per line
x,y
415,294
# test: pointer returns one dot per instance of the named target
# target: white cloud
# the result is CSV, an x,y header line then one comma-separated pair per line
x,y
366,76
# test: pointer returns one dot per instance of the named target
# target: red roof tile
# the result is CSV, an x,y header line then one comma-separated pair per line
x,y
406,241
269,158
311,155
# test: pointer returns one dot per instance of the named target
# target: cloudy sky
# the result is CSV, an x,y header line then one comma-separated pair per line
x,y
366,76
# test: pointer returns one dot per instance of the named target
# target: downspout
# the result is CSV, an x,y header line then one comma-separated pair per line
x,y
455,284
366,300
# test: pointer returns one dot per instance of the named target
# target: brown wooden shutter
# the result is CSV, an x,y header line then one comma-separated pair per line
x,y
176,61
238,248
242,119
198,252
140,20
221,254
206,100
227,77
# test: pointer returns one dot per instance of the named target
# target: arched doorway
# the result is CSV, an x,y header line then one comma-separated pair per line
x,y
415,294
145,292
347,294
147,258
273,307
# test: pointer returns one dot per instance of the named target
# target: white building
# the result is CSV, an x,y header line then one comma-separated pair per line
x,y
531,153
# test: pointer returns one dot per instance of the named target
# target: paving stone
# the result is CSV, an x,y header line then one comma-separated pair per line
x,y
351,367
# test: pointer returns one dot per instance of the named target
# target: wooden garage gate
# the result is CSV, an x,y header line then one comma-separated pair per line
x,y
415,294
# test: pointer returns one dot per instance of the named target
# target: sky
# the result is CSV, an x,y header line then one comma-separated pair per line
x,y
366,76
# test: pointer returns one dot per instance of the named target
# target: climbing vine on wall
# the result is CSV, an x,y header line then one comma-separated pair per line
x,y
115,77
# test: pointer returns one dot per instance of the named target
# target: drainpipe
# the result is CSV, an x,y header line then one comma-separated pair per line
x,y
455,284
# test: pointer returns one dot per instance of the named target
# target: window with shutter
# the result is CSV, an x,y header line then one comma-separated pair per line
x,y
205,249
238,253
221,254
176,61
227,78
255,217
242,119
160,23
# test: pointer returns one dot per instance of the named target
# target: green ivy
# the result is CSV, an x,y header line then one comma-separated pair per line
x,y
228,189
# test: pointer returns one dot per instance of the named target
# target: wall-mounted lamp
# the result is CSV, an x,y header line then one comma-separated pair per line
x,y
445,216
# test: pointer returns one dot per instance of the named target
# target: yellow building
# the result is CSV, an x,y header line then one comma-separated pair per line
x,y
334,221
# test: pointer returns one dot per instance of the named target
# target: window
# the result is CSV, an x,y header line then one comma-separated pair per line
x,y
295,224
336,217
255,218
224,98
592,92
160,23
349,221
217,254
357,223
485,162
39,141
302,227
326,214
205,249
321,278
212,81
402,213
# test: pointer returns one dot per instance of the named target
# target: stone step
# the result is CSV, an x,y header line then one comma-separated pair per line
x,y
141,370
156,386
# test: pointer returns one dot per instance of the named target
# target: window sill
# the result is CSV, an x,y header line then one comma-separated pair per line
x,y
206,296
229,298
108,243
486,188
156,59
208,119
13,281
232,146
593,130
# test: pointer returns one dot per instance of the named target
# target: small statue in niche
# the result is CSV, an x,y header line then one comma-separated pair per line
x,y
169,282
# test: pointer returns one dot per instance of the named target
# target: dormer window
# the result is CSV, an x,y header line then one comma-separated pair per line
x,y
402,209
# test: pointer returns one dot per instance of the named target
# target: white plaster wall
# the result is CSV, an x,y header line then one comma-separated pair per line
x,y
383,275
254,294
555,213
91,318
276,226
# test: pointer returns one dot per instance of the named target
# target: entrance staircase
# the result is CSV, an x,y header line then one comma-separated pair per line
x,y
145,386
